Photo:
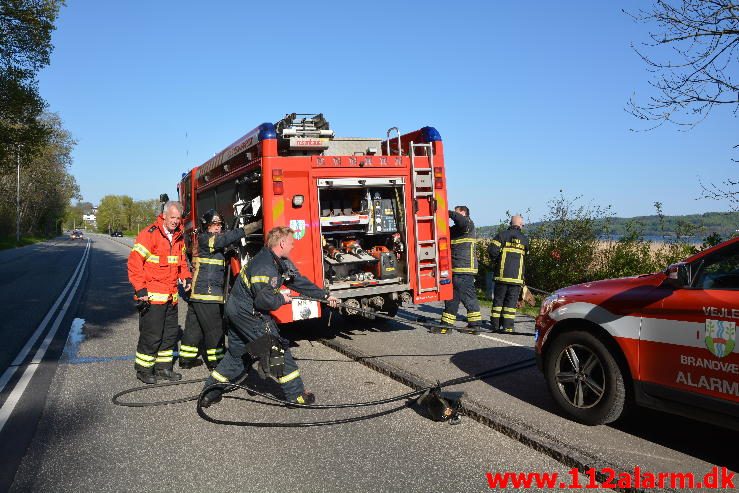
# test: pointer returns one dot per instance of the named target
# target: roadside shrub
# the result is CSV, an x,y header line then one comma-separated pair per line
x,y
630,255
572,245
565,245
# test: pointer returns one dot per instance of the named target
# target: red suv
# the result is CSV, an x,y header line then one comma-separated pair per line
x,y
665,341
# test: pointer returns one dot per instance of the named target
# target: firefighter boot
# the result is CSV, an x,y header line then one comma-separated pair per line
x,y
305,398
146,377
442,328
189,363
211,397
473,328
168,374
495,324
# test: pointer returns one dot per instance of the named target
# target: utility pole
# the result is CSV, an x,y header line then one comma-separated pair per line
x,y
18,198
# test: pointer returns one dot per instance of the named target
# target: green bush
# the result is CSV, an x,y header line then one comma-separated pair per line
x,y
568,247
564,247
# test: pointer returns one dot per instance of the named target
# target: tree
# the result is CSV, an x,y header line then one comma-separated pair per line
x,y
25,48
121,212
110,215
693,57
144,212
46,186
73,216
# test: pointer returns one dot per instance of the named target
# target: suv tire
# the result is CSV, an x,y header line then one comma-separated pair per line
x,y
584,378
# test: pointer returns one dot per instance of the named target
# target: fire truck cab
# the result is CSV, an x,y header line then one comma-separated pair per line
x,y
369,214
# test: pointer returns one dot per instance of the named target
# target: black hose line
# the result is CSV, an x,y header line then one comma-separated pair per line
x,y
116,398
501,370
302,424
536,290
228,387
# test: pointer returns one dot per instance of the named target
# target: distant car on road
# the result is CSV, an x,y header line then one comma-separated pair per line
x,y
666,341
117,233
76,235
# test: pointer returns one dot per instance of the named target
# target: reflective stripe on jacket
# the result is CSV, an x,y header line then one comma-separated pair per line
x,y
507,252
210,265
258,287
464,238
155,264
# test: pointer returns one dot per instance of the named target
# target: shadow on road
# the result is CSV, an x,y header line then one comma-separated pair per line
x,y
697,439
702,440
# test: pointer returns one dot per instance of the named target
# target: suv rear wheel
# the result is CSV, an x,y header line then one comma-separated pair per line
x,y
584,378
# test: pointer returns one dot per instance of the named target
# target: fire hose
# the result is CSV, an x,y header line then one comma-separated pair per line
x,y
439,406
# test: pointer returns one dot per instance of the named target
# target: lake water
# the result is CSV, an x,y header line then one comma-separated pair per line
x,y
693,240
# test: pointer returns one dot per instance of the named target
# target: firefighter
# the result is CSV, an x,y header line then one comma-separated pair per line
x,y
507,253
464,268
204,321
255,293
156,265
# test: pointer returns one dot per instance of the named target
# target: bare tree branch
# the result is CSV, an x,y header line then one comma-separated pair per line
x,y
692,57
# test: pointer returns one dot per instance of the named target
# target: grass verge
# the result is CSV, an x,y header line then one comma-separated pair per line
x,y
9,242
531,311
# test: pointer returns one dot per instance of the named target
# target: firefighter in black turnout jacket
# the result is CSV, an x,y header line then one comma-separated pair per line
x,y
507,253
464,268
204,322
251,329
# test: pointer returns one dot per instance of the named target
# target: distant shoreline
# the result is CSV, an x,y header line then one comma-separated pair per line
x,y
654,228
691,240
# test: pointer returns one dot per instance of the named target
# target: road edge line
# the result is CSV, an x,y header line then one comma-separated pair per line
x,y
23,353
6,410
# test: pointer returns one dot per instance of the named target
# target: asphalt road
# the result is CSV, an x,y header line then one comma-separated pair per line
x,y
39,288
82,442
31,279
519,404
70,437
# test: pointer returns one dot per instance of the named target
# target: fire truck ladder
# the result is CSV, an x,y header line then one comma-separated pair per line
x,y
423,187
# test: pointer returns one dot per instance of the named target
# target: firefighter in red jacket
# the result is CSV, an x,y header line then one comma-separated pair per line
x,y
156,265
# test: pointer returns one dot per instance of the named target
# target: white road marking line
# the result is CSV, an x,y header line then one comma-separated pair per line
x,y
7,409
8,374
504,341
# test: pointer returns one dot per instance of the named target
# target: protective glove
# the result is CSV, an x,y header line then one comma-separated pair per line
x,y
252,228
143,306
333,301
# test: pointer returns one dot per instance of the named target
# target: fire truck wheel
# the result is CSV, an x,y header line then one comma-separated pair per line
x,y
584,378
391,308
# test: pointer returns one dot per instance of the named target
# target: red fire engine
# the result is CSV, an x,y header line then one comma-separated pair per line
x,y
370,215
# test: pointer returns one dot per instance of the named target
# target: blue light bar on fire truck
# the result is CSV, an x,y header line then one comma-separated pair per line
x,y
262,132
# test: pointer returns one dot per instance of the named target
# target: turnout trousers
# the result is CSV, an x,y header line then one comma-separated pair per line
x,y
241,332
464,292
505,298
203,327
158,333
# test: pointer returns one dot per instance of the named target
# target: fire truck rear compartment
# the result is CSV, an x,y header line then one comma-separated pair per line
x,y
363,237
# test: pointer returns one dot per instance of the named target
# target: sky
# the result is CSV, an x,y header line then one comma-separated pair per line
x,y
529,97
